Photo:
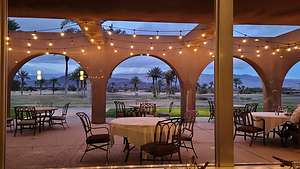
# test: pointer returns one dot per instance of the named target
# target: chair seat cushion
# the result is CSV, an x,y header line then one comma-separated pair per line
x,y
250,129
98,138
157,149
186,137
58,118
26,122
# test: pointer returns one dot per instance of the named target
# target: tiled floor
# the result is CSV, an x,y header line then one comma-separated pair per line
x,y
57,147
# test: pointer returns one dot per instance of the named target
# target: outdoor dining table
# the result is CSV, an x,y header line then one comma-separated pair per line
x,y
272,119
138,130
44,111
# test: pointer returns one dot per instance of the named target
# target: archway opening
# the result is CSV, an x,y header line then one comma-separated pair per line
x,y
290,95
144,79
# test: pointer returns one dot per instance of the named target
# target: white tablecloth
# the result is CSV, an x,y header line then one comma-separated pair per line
x,y
138,130
272,120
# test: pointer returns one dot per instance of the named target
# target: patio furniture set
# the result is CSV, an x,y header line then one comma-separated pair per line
x,y
33,117
158,138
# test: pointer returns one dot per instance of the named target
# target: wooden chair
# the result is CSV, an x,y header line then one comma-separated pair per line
x,y
187,131
164,144
94,141
122,111
167,114
25,118
147,109
62,119
245,125
212,112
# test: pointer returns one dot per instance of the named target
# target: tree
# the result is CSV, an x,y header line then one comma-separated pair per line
x,y
237,82
211,86
13,25
22,75
135,81
66,84
15,85
75,76
53,81
155,73
169,76
66,25
159,85
40,83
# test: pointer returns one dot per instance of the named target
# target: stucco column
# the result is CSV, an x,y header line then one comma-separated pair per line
x,y
3,79
188,97
223,83
98,86
272,94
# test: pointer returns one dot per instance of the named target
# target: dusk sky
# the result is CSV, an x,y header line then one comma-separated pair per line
x,y
55,64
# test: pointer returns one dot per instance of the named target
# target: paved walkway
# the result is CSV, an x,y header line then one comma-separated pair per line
x,y
56,147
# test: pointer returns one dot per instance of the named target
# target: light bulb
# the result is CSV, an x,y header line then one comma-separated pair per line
x,y
115,51
180,37
188,45
256,40
9,49
111,44
213,56
164,54
131,53
242,56
205,43
258,55
148,54
7,38
92,40
50,44
62,34
210,53
278,50
266,47
131,46
244,40
195,49
134,35
7,43
156,37
296,47
170,47
64,52
82,50
35,37
273,53
98,47
150,37
109,33
203,35
281,56
28,51
86,28
239,50
288,49
151,48
180,52
29,44
47,53
257,51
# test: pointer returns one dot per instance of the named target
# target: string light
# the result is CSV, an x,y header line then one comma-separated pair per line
x,y
7,38
288,49
242,56
64,52
164,54
98,47
82,50
115,51
239,50
195,49
9,49
203,35
29,44
131,46
109,33
205,43
35,37
148,54
257,51
111,44
180,52
28,51
86,28
131,54
150,37
50,44
134,35
7,43
151,48
273,53
62,34
258,55
210,53
277,50
157,36
180,36
281,56
188,45
213,56
92,40
266,47
170,47
47,53
296,47
244,40
256,40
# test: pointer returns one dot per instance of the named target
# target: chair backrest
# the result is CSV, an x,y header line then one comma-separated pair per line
x,y
25,113
65,109
171,107
86,123
147,109
251,107
243,117
168,131
120,109
188,122
211,104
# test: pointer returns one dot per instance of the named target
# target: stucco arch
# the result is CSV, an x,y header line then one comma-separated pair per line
x,y
20,63
288,66
113,67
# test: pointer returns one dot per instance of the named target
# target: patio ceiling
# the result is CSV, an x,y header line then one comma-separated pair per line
x,y
246,12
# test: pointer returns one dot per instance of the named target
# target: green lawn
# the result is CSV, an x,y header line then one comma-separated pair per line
x,y
202,112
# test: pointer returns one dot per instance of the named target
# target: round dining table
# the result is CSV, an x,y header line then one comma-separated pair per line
x,y
272,119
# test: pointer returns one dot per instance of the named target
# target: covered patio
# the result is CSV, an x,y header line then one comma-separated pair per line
x,y
99,50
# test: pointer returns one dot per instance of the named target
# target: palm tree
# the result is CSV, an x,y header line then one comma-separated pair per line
x,y
66,84
169,77
75,76
211,86
237,82
67,26
40,83
13,25
22,75
159,85
154,73
54,81
135,81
